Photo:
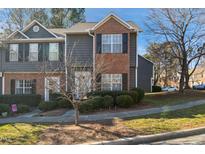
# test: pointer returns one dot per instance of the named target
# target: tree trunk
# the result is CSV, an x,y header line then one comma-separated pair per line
x,y
187,78
76,113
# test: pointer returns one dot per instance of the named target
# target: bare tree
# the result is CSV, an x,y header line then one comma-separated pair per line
x,y
184,29
79,78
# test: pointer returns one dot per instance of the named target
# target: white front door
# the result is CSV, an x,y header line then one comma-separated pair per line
x,y
82,82
52,85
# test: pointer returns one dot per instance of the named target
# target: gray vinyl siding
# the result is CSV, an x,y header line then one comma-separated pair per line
x,y
27,66
0,85
133,49
132,77
19,36
81,47
144,74
42,33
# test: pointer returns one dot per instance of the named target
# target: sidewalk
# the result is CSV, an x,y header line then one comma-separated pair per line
x,y
68,118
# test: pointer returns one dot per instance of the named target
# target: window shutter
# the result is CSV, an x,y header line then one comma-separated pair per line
x,y
26,51
13,84
7,52
40,52
46,51
61,51
124,81
98,82
124,42
20,52
34,86
98,43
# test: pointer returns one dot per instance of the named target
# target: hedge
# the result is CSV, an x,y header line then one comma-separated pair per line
x,y
47,106
30,100
96,103
140,93
156,89
124,101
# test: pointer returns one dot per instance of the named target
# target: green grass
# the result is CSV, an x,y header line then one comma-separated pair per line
x,y
171,98
168,121
20,133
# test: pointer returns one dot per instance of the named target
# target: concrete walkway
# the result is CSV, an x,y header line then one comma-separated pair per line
x,y
69,118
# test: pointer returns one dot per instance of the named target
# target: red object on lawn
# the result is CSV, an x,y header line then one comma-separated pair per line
x,y
14,108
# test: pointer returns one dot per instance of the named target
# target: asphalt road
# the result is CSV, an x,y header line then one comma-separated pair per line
x,y
192,140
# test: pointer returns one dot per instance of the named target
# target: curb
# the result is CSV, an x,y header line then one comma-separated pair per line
x,y
146,139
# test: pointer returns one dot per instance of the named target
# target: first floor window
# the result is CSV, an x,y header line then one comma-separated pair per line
x,y
53,51
111,82
13,54
33,52
23,86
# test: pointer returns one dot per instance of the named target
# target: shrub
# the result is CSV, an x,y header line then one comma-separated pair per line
x,y
108,102
4,108
61,100
21,108
63,103
156,89
31,100
46,106
124,101
86,106
134,95
96,103
140,93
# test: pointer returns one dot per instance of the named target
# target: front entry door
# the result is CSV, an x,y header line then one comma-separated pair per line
x,y
52,85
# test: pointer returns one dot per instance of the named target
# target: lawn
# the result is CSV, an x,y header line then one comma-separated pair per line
x,y
99,131
171,98
168,121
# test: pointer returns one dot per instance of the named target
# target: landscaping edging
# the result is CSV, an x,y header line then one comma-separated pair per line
x,y
146,139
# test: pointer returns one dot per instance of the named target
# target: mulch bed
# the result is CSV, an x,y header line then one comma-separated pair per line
x,y
57,112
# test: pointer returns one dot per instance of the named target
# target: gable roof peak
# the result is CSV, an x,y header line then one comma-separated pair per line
x,y
37,22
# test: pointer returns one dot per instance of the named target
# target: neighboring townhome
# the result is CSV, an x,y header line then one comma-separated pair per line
x,y
111,41
27,53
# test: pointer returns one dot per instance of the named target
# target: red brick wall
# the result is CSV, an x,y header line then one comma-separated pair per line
x,y
40,77
120,63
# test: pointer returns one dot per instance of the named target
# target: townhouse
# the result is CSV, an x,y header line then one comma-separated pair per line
x,y
112,41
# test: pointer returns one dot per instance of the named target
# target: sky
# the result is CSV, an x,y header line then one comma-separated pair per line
x,y
138,16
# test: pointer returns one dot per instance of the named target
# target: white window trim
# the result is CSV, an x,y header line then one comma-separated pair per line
x,y
111,83
33,52
112,42
13,51
54,52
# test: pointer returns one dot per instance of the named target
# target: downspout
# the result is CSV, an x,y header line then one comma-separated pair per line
x,y
136,73
65,63
93,36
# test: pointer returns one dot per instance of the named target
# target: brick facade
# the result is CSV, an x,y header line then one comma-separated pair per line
x,y
38,76
120,63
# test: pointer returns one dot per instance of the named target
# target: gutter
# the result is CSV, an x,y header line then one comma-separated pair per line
x,y
93,36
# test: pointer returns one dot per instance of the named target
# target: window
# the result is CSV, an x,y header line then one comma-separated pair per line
x,y
112,82
112,43
33,52
13,54
23,86
53,51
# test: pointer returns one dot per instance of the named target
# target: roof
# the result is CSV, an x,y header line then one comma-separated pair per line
x,y
84,27
58,31
145,58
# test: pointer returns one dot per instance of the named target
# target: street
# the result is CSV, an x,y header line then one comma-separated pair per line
x,y
194,140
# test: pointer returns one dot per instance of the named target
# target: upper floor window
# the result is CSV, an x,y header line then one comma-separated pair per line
x,y
112,43
13,54
53,51
112,82
33,52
